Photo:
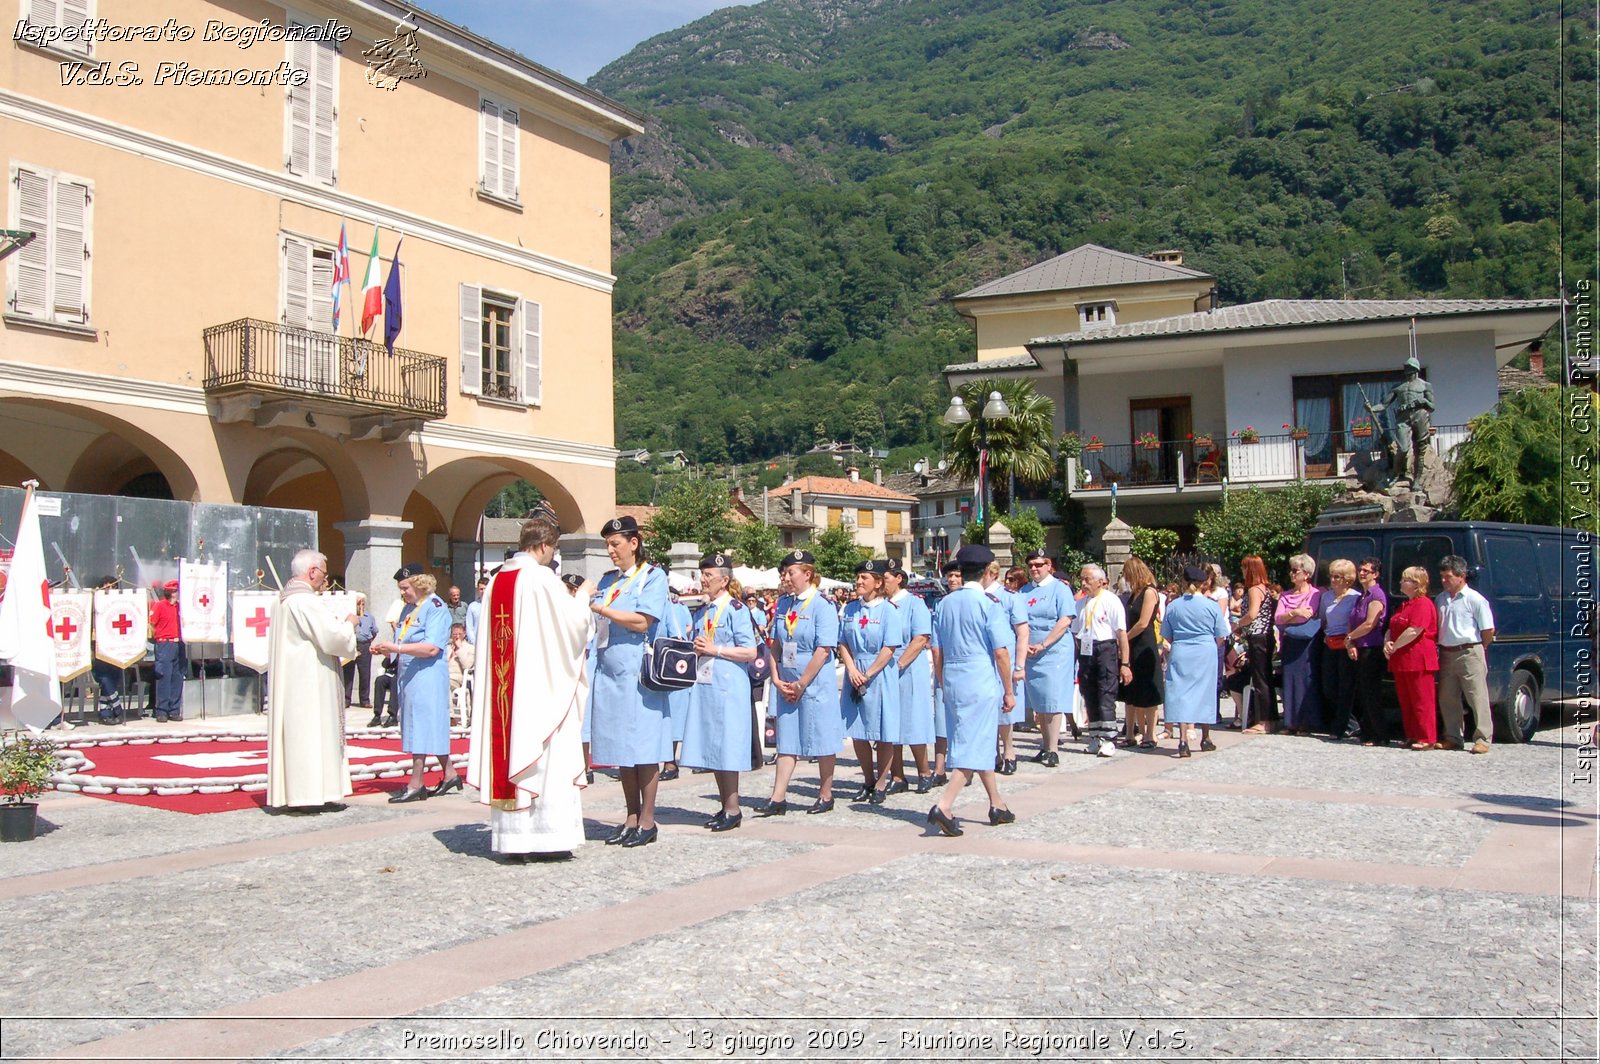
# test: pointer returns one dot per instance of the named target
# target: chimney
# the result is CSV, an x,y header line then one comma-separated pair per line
x,y
795,504
877,475
1167,257
1536,359
854,473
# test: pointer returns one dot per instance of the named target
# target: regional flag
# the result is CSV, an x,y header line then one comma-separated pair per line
x,y
252,627
69,624
372,295
341,273
391,300
121,621
203,601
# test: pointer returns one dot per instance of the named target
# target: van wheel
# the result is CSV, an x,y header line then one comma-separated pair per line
x,y
1517,717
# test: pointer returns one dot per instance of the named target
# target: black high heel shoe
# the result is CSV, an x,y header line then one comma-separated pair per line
x,y
1183,751
621,835
446,786
641,838
1001,816
418,795
939,819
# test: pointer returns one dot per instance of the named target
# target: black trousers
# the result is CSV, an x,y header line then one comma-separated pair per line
x,y
1338,690
362,665
1370,667
1098,680
1258,659
384,692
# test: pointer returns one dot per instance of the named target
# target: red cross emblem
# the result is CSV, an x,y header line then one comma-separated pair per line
x,y
66,628
204,601
123,624
792,617
258,622
863,621
1033,602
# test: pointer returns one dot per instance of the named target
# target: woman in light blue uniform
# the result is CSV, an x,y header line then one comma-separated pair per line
x,y
805,631
632,728
1005,758
1196,627
1052,660
976,639
871,632
718,726
424,683
677,624
941,719
914,664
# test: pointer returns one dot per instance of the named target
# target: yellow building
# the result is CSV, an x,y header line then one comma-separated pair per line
x,y
168,330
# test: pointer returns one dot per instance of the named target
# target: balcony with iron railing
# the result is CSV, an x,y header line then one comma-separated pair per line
x,y
262,370
1179,465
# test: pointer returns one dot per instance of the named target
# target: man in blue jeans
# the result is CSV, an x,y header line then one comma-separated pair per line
x,y
166,635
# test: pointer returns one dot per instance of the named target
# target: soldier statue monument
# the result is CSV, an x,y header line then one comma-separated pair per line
x,y
1410,406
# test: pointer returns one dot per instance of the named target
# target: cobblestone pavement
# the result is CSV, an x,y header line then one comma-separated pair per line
x,y
1279,899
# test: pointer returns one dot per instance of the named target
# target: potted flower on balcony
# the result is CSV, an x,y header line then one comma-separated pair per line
x,y
1149,441
1248,434
1298,432
1361,427
26,762
1093,443
1071,444
1202,439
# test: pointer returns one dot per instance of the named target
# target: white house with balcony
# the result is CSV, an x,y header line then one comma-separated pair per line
x,y
1147,394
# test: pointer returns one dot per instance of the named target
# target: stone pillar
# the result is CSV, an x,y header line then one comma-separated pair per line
x,y
1118,540
684,558
372,555
1000,542
583,554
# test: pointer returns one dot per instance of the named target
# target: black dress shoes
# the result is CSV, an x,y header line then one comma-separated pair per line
x,y
1009,767
1042,757
390,722
1001,816
940,779
641,838
897,787
418,795
667,776
621,835
821,806
773,808
1052,759
714,821
728,823
864,794
446,786
939,819
924,784
375,722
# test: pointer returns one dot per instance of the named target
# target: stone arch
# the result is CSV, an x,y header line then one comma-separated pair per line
x,y
301,475
78,448
13,471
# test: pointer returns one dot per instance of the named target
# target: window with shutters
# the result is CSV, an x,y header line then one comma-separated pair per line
x,y
309,354
47,281
864,518
501,350
56,26
835,516
311,125
499,150
894,523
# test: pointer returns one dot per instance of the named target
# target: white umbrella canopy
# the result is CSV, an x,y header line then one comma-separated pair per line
x,y
682,581
830,584
755,579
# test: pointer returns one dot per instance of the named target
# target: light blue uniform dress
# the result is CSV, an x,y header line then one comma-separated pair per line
x,y
1050,674
916,679
676,625
941,719
425,682
813,727
717,735
866,628
589,658
632,725
1016,613
971,626
1193,624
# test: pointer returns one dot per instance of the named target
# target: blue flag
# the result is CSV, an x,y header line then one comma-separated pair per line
x,y
391,300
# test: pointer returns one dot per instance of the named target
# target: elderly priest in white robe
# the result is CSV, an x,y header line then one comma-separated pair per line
x,y
528,699
306,764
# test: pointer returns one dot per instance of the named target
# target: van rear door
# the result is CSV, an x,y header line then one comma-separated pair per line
x,y
1509,578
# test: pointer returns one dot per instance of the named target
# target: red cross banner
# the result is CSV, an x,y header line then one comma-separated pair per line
x,y
203,602
252,628
121,623
34,697
341,604
69,627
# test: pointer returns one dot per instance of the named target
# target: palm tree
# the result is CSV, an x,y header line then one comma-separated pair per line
x,y
1019,446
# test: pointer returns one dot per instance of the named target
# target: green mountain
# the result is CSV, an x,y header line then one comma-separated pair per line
x,y
820,176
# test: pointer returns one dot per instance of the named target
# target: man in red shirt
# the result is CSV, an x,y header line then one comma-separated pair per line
x,y
164,632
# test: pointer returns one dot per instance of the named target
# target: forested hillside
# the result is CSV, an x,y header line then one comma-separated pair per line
x,y
822,175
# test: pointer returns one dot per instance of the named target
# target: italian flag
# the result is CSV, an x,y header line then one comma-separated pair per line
x,y
372,289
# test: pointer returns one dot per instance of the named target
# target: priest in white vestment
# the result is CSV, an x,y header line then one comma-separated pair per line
x,y
306,763
528,699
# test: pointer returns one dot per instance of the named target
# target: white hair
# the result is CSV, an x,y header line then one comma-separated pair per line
x,y
1095,571
305,559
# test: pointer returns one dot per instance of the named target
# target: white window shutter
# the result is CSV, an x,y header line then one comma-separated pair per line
x,y
69,253
296,307
44,12
32,295
489,126
324,134
510,146
471,339
298,159
532,352
75,13
324,346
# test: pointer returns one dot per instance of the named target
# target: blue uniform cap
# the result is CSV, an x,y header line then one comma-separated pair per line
x,y
974,556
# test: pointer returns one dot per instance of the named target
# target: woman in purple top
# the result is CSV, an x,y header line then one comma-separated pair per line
x,y
1364,646
1338,670
1299,621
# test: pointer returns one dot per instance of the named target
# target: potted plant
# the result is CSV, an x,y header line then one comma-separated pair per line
x,y
1361,427
1093,443
1248,434
1071,444
1201,439
26,762
1149,441
1298,432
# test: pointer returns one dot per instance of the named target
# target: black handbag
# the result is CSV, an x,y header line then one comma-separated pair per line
x,y
760,667
668,665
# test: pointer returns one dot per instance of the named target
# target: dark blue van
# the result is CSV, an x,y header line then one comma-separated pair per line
x,y
1540,582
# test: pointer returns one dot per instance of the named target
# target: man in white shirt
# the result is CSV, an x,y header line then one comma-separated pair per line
x,y
1101,629
1466,628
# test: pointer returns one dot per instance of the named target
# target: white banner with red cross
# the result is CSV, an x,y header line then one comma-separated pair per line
x,y
70,627
121,625
203,602
341,604
252,628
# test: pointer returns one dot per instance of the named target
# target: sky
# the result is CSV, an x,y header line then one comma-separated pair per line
x,y
572,37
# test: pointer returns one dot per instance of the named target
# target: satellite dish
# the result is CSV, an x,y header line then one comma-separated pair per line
x,y
920,467
942,464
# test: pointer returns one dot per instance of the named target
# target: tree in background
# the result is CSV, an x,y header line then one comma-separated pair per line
x,y
514,500
1027,531
1154,545
756,545
696,511
1018,445
1521,456
635,487
837,554
1272,524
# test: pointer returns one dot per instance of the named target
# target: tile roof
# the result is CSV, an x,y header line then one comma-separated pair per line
x,y
1511,379
1289,313
844,486
1001,363
1089,266
918,485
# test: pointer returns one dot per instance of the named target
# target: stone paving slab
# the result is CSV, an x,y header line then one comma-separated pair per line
x,y
1273,827
1341,967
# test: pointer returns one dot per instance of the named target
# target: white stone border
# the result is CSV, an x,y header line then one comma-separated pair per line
x,y
70,779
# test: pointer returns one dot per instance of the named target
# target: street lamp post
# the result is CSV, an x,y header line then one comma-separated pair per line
x,y
994,410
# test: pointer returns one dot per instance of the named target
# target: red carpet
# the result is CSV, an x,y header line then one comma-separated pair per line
x,y
217,762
